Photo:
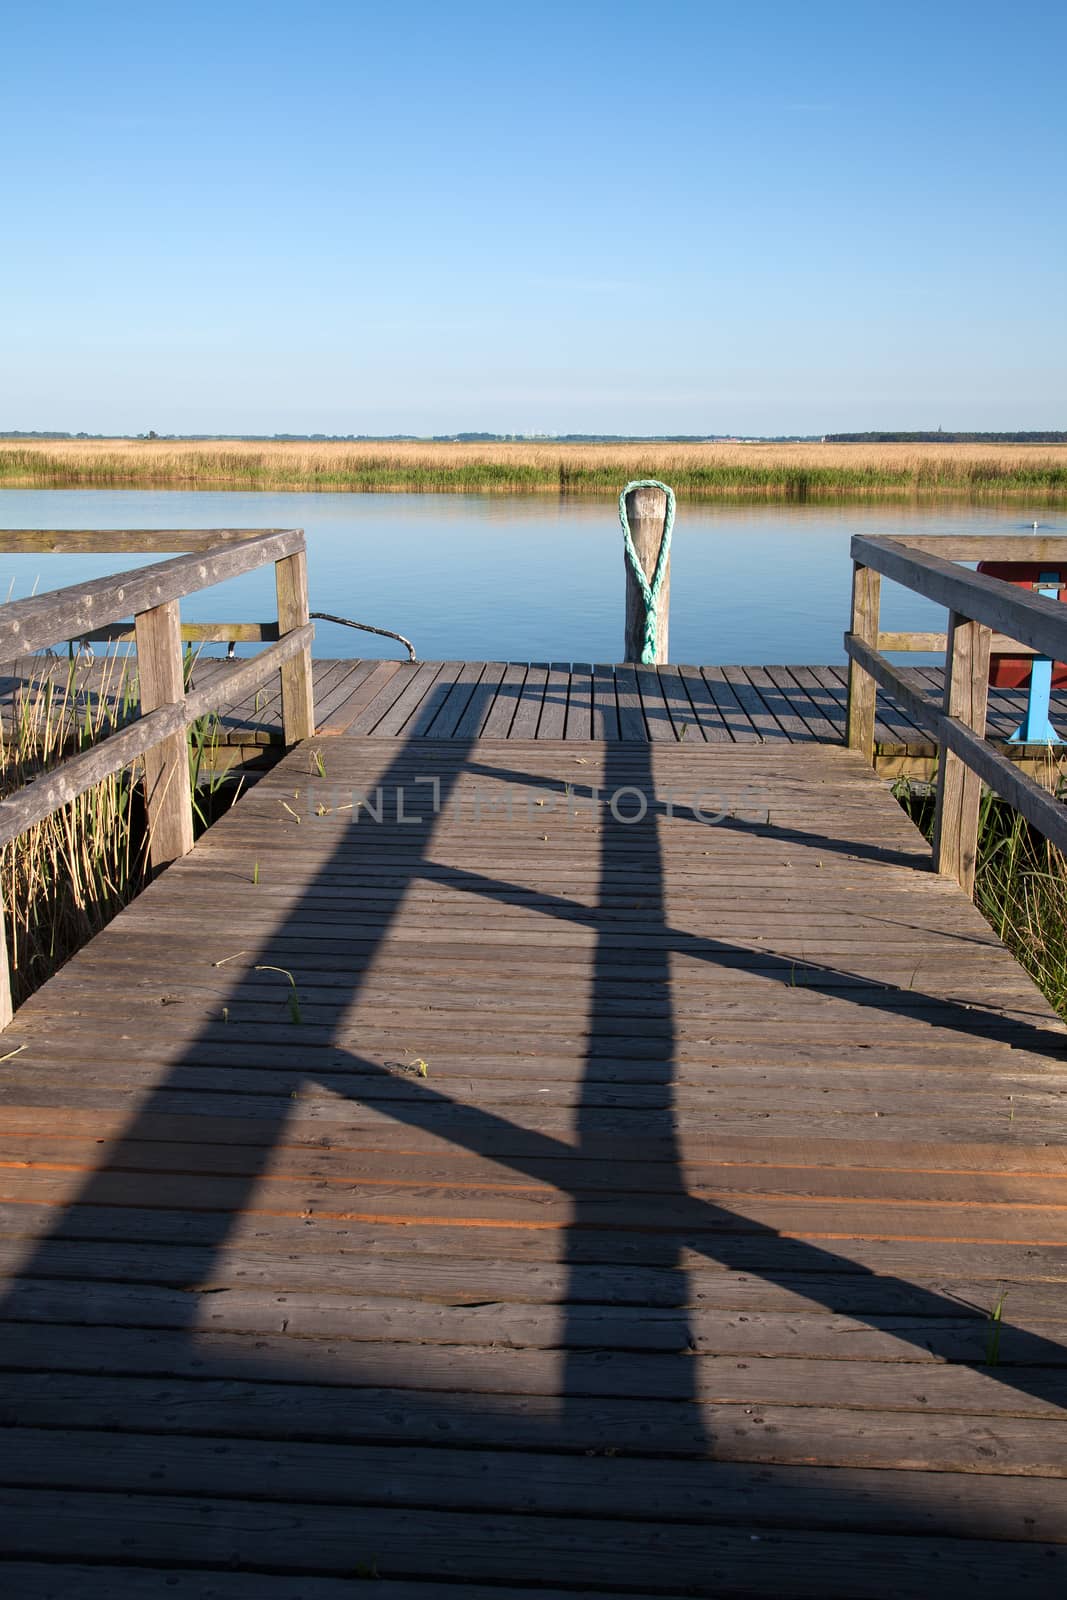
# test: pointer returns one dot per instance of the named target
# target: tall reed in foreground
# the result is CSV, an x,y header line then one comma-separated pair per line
x,y
1020,886
67,876
64,879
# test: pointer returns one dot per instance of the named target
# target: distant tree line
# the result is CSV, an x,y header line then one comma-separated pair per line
x,y
1043,436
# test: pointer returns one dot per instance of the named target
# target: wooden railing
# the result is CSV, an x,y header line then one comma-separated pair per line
x,y
151,595
144,541
986,615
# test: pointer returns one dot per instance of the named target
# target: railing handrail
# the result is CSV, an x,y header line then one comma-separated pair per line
x,y
977,604
113,541
1031,618
45,619
982,546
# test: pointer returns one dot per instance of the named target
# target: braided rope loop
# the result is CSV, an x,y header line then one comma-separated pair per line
x,y
650,592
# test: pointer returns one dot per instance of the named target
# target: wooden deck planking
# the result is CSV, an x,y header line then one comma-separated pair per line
x,y
580,702
605,722
552,723
673,1273
529,702
718,705
352,693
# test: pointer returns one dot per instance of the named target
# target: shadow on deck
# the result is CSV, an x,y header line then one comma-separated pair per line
x,y
672,1275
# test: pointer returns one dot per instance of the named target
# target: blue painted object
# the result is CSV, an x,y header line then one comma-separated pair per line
x,y
1035,727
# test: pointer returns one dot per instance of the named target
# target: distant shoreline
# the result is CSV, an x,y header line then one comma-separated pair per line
x,y
790,472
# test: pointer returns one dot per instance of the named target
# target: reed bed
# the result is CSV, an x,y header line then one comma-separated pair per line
x,y
65,879
1020,886
787,472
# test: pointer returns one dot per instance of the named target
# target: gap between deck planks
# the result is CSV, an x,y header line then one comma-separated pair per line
x,y
673,1273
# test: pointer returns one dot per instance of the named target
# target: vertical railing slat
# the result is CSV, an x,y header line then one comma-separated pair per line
x,y
862,689
959,789
6,1009
298,704
167,793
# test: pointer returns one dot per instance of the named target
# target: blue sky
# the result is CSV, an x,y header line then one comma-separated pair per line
x,y
615,218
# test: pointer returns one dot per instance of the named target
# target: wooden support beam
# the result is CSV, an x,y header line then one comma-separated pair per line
x,y
646,512
959,788
298,695
193,633
931,643
862,689
937,644
167,794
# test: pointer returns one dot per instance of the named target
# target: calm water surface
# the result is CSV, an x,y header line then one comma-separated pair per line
x,y
523,579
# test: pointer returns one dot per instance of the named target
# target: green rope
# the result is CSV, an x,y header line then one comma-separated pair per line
x,y
650,591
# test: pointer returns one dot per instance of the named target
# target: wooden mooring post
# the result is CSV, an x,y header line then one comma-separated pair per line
x,y
646,511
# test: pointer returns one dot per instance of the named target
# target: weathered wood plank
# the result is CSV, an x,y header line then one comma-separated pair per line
x,y
6,1008
731,1138
168,800
810,701
298,699
387,716
705,1560
753,704
605,723
959,789
862,688
332,692
1019,613
359,690
112,541
951,1505
530,702
632,725
779,702
46,619
44,1581
714,707
553,720
580,702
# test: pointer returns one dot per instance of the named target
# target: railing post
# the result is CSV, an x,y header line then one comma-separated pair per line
x,y
959,789
6,1009
167,793
298,696
862,689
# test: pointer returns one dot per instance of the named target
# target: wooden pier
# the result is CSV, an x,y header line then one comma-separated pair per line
x,y
523,1150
